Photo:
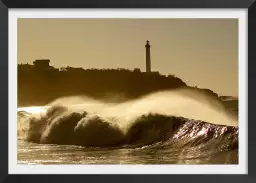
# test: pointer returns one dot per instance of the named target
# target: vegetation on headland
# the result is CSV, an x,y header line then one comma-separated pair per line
x,y
37,86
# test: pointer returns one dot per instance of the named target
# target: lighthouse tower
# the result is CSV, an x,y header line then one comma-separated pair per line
x,y
148,61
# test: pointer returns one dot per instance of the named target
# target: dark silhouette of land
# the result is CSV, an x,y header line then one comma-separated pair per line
x,y
40,83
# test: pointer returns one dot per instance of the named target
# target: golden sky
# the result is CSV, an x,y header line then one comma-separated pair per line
x,y
202,52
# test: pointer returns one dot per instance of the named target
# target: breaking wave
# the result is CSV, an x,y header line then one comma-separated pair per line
x,y
166,119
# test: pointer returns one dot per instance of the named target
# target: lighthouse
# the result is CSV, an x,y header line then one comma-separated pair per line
x,y
148,61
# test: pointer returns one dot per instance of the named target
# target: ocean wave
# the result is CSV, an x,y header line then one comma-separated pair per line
x,y
169,119
59,125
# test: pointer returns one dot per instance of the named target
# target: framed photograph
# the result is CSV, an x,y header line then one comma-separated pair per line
x,y
126,88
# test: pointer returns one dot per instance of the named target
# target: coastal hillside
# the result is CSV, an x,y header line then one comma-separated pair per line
x,y
39,86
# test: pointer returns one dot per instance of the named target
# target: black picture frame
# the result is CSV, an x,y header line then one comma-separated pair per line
x,y
250,5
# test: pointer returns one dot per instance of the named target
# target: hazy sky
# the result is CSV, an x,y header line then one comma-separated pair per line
x,y
202,52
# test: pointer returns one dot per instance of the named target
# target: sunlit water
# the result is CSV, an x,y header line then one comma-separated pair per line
x,y
191,141
30,153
